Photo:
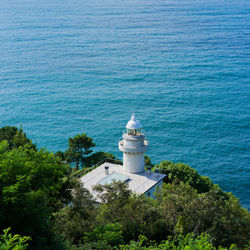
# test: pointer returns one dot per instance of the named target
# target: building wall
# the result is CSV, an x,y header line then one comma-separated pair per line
x,y
152,190
133,163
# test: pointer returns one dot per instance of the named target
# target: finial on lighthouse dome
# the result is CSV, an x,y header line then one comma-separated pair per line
x,y
133,123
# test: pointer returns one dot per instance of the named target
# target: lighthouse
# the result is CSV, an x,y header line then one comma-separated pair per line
x,y
132,172
133,146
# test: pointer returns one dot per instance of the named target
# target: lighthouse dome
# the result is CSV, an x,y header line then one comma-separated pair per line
x,y
133,123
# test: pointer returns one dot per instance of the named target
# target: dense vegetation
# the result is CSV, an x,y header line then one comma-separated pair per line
x,y
43,206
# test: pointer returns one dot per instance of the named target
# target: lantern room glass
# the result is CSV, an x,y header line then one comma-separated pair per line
x,y
134,132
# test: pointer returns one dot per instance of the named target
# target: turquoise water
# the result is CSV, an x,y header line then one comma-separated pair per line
x,y
69,67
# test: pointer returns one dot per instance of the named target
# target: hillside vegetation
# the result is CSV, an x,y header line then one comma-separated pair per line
x,y
43,205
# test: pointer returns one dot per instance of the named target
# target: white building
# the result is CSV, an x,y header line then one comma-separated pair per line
x,y
133,146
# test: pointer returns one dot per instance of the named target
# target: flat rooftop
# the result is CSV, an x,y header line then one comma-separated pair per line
x,y
138,183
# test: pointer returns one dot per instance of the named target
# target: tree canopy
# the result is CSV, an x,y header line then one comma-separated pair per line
x,y
15,137
184,173
79,148
33,184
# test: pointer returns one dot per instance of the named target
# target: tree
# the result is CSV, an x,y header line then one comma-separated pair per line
x,y
74,220
20,139
188,211
114,195
136,214
7,133
79,147
98,157
183,172
61,155
33,184
15,137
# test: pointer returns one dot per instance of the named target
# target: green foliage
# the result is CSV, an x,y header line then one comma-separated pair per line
x,y
7,133
79,148
148,161
98,245
13,242
75,219
189,242
82,172
136,214
114,195
179,210
98,157
60,155
188,211
111,233
32,185
15,137
184,173
142,216
20,139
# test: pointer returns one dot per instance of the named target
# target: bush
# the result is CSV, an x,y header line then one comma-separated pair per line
x,y
15,242
111,233
186,174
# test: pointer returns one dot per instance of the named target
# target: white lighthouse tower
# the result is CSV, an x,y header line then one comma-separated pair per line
x,y
139,181
133,147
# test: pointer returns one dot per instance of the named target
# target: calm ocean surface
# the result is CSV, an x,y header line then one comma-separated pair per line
x,y
183,67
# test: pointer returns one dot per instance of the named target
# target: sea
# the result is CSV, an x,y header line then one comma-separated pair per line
x,y
182,66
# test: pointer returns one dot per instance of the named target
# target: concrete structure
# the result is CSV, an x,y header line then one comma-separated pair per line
x,y
139,183
133,171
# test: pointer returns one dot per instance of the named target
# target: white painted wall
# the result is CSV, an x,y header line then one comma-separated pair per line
x,y
133,163
133,143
